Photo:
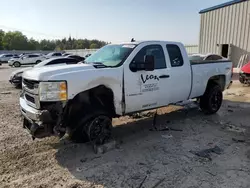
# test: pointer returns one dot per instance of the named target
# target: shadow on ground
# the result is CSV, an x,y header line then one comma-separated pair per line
x,y
164,158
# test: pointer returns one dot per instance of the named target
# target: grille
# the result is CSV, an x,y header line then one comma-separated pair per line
x,y
30,84
30,99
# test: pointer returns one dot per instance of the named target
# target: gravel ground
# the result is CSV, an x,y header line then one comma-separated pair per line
x,y
144,158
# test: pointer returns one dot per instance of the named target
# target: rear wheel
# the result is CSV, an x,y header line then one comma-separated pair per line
x,y
38,61
212,99
17,64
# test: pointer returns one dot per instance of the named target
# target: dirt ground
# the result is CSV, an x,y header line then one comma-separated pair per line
x,y
144,158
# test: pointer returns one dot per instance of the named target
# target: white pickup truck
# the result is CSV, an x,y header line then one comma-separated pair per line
x,y
116,80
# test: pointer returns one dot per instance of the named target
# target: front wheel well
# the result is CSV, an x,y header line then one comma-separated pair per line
x,y
100,98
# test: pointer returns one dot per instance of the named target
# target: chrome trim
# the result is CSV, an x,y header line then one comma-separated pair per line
x,y
36,98
33,91
28,112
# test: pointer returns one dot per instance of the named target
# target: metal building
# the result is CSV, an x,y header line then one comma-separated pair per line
x,y
225,30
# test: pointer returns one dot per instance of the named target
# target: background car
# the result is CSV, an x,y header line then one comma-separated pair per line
x,y
244,75
5,57
87,55
26,60
16,76
77,57
53,54
205,57
66,54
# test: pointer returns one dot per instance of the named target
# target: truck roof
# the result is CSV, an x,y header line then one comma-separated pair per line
x,y
143,41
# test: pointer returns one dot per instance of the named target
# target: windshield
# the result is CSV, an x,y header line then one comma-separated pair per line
x,y
110,55
50,54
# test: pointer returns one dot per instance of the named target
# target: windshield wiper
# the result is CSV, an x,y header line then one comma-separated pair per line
x,y
99,65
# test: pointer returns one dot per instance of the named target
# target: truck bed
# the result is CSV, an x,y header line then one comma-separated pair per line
x,y
208,62
202,71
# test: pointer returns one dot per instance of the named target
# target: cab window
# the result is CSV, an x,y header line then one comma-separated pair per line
x,y
175,56
156,51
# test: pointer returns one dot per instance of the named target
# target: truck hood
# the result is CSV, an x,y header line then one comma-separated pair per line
x,y
44,73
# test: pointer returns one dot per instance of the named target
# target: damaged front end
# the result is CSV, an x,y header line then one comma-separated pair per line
x,y
244,78
41,119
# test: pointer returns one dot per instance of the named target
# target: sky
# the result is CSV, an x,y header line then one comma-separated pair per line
x,y
107,20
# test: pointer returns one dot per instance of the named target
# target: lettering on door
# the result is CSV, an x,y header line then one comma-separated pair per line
x,y
149,83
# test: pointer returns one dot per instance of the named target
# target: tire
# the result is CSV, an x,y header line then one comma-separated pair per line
x,y
16,64
38,61
241,80
212,99
88,129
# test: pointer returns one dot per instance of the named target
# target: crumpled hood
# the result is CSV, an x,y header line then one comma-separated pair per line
x,y
20,70
44,73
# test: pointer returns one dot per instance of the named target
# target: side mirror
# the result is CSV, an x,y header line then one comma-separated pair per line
x,y
149,61
147,65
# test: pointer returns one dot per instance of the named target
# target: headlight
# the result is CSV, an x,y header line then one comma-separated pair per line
x,y
53,91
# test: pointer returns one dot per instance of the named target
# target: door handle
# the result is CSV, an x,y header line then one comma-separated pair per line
x,y
164,76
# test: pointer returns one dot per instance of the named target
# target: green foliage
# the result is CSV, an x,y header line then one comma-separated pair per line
x,y
93,46
17,41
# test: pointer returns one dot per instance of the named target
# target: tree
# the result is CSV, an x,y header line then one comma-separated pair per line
x,y
2,33
17,41
93,46
33,44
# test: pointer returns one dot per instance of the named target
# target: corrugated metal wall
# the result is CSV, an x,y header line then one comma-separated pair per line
x,y
192,49
228,25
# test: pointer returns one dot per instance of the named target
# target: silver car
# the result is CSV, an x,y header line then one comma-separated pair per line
x,y
5,57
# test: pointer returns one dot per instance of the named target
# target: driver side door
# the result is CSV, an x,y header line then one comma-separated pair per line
x,y
145,89
26,59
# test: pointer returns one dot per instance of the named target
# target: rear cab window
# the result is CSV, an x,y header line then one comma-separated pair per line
x,y
175,55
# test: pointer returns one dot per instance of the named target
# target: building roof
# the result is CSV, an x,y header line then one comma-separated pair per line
x,y
221,6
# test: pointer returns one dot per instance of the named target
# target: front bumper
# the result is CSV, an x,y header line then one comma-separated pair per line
x,y
37,122
10,63
42,123
31,114
244,78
